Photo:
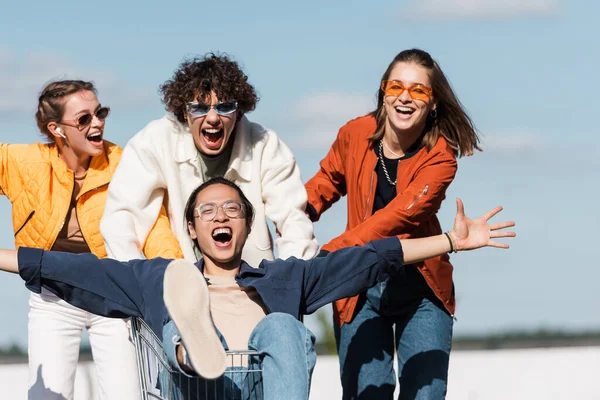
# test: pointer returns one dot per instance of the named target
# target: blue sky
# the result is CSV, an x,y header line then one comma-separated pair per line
x,y
526,71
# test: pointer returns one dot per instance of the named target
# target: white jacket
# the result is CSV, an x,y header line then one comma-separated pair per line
x,y
162,159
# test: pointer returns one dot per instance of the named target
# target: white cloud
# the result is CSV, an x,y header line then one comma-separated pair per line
x,y
515,142
320,116
23,76
481,8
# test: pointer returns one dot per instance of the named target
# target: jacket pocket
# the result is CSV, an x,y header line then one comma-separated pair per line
x,y
25,223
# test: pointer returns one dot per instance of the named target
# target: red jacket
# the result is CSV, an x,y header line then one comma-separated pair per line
x,y
349,169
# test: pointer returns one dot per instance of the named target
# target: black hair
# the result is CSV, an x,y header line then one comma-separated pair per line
x,y
246,205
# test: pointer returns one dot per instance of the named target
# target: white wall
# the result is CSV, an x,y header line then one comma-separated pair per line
x,y
530,374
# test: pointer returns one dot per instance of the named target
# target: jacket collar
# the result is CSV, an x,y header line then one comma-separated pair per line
x,y
99,172
246,271
240,164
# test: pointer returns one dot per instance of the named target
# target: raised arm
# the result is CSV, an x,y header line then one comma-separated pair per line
x,y
284,197
349,271
134,200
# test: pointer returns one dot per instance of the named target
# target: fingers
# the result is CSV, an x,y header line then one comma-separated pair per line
x,y
460,208
502,234
498,245
501,225
492,212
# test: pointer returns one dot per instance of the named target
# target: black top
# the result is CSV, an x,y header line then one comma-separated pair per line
x,y
385,192
406,284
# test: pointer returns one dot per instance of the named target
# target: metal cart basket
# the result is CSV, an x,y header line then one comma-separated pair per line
x,y
159,380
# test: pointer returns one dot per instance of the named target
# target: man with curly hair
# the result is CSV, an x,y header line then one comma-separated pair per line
x,y
206,134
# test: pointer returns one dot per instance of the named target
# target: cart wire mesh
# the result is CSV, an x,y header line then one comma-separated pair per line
x,y
161,381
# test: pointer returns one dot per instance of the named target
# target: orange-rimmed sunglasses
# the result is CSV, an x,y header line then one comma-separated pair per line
x,y
416,92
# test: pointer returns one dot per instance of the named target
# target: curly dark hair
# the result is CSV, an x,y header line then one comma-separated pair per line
x,y
199,76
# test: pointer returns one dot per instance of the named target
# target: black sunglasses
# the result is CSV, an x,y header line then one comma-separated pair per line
x,y
86,119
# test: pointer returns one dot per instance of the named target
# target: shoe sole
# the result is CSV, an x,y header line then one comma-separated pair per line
x,y
186,296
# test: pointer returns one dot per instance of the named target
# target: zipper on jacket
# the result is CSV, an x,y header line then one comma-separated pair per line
x,y
25,223
418,197
369,198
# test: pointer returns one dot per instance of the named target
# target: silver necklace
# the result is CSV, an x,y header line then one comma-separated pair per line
x,y
385,171
390,150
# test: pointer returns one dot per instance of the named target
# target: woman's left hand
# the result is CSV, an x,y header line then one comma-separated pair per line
x,y
470,234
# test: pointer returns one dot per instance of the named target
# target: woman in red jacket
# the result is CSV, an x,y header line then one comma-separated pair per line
x,y
395,165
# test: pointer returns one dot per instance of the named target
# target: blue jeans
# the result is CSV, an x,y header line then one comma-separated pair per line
x,y
287,358
400,313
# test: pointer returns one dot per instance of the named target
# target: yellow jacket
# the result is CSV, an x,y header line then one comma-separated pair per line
x,y
39,185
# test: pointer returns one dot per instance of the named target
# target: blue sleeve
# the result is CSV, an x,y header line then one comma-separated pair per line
x,y
104,287
349,271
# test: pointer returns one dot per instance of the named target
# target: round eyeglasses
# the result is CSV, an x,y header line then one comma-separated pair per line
x,y
208,211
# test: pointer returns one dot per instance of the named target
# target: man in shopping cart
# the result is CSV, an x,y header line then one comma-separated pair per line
x,y
221,300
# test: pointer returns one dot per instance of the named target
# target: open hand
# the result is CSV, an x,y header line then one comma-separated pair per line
x,y
470,234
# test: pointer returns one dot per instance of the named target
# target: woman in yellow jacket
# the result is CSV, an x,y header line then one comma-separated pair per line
x,y
58,191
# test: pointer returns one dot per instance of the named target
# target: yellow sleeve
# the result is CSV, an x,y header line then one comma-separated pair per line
x,y
3,168
161,241
9,171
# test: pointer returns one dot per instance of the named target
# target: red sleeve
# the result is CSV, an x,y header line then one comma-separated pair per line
x,y
329,183
415,205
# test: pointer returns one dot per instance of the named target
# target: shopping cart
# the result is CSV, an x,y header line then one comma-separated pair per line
x,y
159,381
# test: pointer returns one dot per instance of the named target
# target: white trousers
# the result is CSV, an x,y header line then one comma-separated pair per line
x,y
55,329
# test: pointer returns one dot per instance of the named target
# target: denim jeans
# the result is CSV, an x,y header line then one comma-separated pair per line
x,y
400,313
286,351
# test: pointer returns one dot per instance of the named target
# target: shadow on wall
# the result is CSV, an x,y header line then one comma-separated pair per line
x,y
40,391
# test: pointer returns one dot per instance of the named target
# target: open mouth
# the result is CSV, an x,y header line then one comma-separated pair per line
x,y
213,137
95,137
222,236
404,110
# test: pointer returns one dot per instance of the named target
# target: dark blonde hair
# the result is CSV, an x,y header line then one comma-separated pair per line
x,y
51,103
450,119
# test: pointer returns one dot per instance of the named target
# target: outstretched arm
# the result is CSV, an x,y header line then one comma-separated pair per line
x,y
349,271
8,261
467,234
105,287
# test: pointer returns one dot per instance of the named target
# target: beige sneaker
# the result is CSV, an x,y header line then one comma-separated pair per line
x,y
186,296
